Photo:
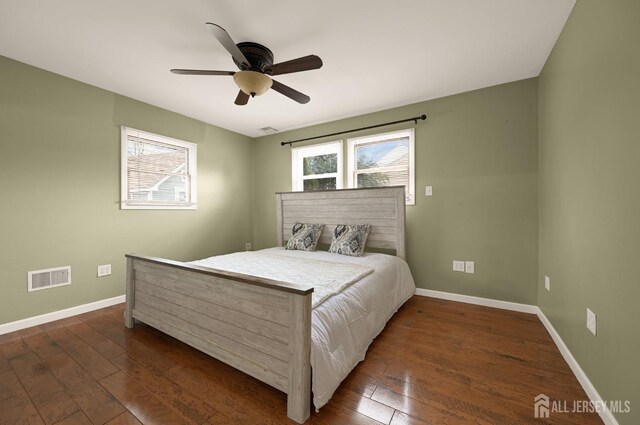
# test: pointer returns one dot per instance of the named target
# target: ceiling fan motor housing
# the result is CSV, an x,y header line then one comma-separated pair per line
x,y
259,57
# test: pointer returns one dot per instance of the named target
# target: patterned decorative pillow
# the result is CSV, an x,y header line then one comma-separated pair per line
x,y
349,239
304,237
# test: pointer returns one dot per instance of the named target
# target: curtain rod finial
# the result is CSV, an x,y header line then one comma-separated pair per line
x,y
421,117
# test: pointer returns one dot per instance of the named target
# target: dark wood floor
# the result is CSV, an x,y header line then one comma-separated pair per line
x,y
436,362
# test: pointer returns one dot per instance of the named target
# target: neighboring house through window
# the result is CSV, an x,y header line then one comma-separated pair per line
x,y
317,167
158,172
383,160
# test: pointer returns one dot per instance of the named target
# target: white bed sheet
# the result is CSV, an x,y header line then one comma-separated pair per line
x,y
344,325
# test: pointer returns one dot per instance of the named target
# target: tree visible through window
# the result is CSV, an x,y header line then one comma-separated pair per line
x,y
374,179
317,167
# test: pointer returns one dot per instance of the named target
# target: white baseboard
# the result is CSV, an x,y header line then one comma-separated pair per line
x,y
60,314
606,415
487,302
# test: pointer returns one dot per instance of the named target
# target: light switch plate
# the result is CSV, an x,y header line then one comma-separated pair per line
x,y
591,321
429,191
547,283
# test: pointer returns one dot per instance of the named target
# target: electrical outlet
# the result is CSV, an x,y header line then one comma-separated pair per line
x,y
429,191
469,267
547,283
591,321
247,246
458,266
104,270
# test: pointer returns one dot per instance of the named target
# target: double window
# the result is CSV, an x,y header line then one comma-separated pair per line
x,y
373,161
158,172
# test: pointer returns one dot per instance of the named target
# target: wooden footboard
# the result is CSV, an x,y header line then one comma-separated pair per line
x,y
259,326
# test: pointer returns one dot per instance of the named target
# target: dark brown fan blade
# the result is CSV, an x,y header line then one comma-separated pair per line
x,y
200,72
242,98
225,39
290,93
305,63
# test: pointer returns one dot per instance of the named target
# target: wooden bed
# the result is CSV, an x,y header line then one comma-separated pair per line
x,y
259,326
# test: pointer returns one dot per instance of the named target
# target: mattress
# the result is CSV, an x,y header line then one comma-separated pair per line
x,y
344,325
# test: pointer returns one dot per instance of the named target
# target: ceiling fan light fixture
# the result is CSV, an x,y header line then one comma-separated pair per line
x,y
252,83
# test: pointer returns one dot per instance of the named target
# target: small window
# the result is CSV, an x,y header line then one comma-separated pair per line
x,y
383,160
158,172
317,167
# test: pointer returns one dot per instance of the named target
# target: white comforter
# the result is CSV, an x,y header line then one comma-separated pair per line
x,y
328,278
343,325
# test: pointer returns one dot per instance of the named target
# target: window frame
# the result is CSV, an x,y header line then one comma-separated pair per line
x,y
192,152
380,137
298,154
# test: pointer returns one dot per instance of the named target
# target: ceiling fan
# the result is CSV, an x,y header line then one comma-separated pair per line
x,y
255,62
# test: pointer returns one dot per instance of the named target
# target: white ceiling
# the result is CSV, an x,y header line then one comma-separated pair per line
x,y
377,53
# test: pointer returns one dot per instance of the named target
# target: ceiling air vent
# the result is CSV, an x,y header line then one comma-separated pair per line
x,y
268,130
49,278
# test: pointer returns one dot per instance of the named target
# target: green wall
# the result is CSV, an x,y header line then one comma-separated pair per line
x,y
479,152
60,180
589,166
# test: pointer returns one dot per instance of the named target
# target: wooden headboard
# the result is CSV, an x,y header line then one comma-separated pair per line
x,y
383,208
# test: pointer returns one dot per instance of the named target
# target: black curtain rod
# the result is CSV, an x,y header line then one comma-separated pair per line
x,y
415,119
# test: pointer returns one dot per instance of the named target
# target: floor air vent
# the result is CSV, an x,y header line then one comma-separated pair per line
x,y
49,278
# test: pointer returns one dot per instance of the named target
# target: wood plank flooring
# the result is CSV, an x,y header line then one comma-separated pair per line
x,y
436,362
